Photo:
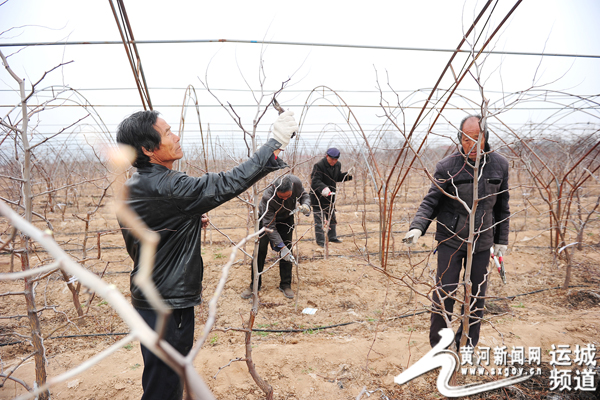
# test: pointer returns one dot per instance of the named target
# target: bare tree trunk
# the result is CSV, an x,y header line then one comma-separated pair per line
x,y
262,384
468,284
569,268
34,325
34,322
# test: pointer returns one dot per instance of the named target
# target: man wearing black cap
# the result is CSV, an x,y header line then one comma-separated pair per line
x,y
453,187
324,177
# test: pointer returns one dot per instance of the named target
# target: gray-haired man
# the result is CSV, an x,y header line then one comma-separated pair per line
x,y
454,175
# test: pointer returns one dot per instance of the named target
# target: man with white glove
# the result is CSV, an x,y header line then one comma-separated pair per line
x,y
175,205
284,127
324,178
277,209
454,178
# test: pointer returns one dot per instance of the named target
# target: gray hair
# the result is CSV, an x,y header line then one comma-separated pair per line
x,y
462,123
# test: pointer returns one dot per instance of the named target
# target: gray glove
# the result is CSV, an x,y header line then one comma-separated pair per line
x,y
286,254
412,237
500,250
304,209
284,127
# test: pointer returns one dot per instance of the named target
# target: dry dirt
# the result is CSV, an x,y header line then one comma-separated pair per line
x,y
381,337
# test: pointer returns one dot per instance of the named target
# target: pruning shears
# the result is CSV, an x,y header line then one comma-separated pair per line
x,y
500,264
292,259
295,211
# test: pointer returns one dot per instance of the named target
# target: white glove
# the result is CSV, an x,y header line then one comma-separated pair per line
x,y
286,254
304,209
500,250
326,192
284,127
412,237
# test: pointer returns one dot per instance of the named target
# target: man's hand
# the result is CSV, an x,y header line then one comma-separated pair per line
x,y
286,254
284,127
326,192
500,249
412,237
304,209
204,220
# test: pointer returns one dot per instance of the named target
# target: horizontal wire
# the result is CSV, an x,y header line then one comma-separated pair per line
x,y
312,44
312,106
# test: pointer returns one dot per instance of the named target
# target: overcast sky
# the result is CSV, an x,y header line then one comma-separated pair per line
x,y
102,74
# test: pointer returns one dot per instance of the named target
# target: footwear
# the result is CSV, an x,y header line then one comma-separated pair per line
x,y
246,294
287,292
332,234
320,244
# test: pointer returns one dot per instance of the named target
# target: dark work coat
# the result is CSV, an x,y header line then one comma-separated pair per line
x,y
276,210
171,204
324,175
455,176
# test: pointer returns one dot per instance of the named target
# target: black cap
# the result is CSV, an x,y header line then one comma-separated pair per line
x,y
333,152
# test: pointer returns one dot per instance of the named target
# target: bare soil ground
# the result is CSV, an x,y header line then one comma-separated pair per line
x,y
381,336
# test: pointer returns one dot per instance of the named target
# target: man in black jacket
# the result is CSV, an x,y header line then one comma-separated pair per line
x,y
173,205
324,177
277,209
446,200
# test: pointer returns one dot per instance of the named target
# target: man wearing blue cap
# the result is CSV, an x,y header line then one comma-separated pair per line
x,y
324,177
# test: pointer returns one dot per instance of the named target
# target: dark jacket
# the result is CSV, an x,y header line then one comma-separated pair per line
x,y
324,175
278,210
456,177
171,204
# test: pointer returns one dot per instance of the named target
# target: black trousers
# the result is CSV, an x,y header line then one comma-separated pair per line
x,y
325,213
158,379
285,229
450,263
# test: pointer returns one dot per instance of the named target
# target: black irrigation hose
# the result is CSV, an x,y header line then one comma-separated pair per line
x,y
71,336
319,328
537,291
42,250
